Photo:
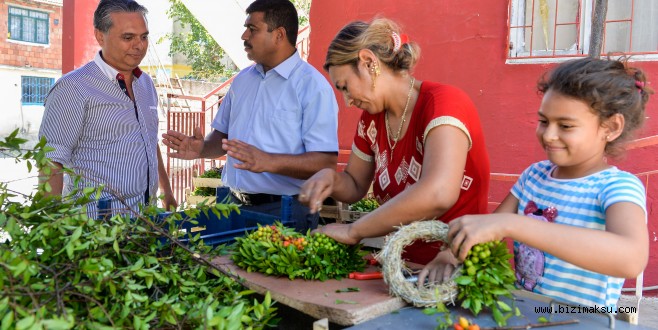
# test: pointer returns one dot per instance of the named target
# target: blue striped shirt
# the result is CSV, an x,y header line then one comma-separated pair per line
x,y
290,109
580,202
92,125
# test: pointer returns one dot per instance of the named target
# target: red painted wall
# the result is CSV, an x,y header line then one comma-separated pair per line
x,y
463,43
79,45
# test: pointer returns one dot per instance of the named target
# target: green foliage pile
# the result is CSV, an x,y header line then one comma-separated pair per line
x,y
62,270
365,205
487,275
280,251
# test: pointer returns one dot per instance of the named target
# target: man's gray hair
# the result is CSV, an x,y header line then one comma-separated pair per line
x,y
102,20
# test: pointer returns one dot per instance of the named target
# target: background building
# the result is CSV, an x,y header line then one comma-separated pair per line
x,y
30,60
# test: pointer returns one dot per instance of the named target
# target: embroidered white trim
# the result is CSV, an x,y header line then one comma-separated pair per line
x,y
448,120
361,154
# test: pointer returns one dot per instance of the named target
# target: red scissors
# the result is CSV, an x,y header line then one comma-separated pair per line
x,y
366,276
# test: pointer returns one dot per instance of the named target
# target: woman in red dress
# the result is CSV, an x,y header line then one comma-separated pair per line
x,y
421,142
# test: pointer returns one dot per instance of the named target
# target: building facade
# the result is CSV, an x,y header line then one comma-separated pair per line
x,y
30,60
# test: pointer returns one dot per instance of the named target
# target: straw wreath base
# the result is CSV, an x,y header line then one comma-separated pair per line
x,y
393,265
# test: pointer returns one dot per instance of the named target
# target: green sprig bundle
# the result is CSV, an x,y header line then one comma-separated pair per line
x,y
280,251
486,276
365,205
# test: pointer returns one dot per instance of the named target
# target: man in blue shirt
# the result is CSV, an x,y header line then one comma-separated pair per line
x,y
278,122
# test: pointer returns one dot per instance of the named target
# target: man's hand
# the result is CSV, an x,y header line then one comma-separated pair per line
x,y
169,202
252,159
186,147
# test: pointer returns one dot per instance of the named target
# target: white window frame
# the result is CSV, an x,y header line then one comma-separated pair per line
x,y
516,38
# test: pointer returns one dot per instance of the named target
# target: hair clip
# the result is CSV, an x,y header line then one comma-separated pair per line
x,y
398,40
397,43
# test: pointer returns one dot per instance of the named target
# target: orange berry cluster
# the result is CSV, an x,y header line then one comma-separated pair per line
x,y
300,242
267,233
464,324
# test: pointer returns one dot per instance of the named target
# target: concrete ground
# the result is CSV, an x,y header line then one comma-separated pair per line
x,y
648,316
16,176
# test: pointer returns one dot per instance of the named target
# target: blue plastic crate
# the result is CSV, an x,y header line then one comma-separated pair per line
x,y
215,231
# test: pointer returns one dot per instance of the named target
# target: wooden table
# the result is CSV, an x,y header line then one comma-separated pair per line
x,y
374,308
319,299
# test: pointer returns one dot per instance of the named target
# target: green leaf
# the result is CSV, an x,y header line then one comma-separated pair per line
x,y
115,247
542,319
498,316
137,322
463,280
503,306
7,321
25,323
56,324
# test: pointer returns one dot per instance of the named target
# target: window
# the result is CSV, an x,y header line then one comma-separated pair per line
x,y
28,25
557,28
35,89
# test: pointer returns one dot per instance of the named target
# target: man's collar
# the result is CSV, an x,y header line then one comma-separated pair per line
x,y
109,71
284,68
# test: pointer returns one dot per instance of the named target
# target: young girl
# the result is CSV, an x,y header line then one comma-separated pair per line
x,y
579,224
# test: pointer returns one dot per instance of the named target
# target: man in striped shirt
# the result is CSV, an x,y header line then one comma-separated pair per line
x,y
102,118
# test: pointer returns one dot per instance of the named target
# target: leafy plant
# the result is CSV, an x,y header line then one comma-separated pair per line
x,y
60,269
279,251
203,53
365,205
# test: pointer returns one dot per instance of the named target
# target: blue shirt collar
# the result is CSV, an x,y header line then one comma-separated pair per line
x,y
284,69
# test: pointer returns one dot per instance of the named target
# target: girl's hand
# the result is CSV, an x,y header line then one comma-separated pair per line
x,y
469,230
438,270
317,188
342,233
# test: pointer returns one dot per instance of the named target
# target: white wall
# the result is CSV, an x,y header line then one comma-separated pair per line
x,y
14,114
159,25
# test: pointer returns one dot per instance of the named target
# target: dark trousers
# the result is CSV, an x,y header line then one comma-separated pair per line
x,y
302,219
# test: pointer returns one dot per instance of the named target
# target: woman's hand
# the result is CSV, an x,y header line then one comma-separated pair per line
x,y
469,230
317,188
342,233
438,270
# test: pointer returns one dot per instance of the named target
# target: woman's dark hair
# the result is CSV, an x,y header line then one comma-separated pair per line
x,y
608,86
278,13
